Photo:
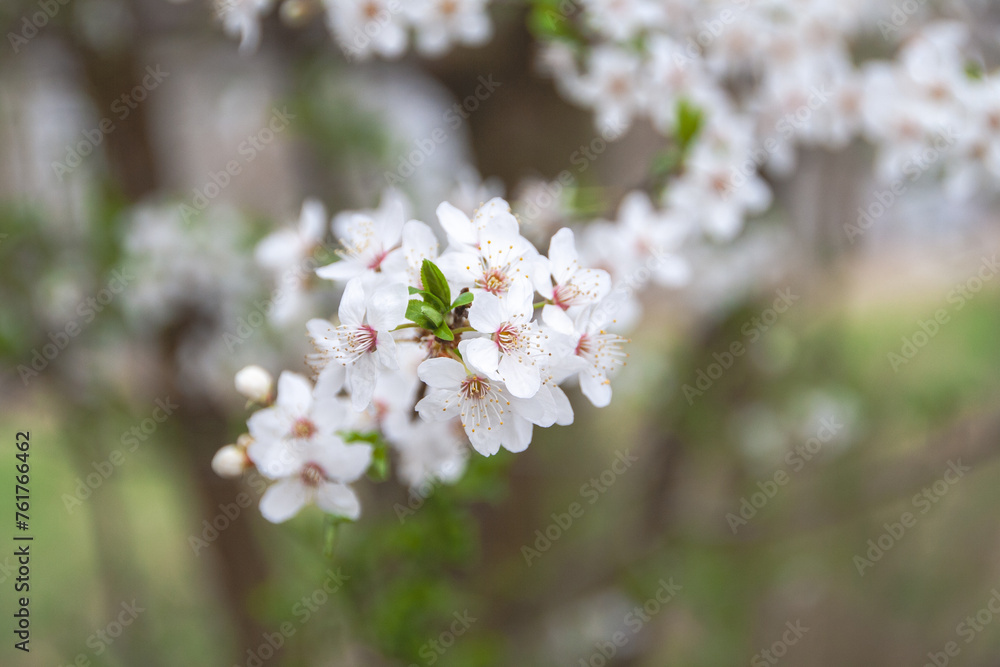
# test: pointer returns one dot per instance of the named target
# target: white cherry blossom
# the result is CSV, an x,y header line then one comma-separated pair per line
x,y
573,285
369,239
362,342
490,415
515,349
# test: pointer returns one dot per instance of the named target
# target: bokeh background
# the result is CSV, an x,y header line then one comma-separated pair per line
x,y
879,435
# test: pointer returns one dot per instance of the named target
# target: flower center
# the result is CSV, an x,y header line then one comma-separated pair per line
x,y
475,387
506,338
494,281
564,295
582,346
364,338
720,184
371,10
303,429
312,475
376,263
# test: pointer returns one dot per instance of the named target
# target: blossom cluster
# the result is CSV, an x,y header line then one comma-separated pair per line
x,y
931,111
431,351
363,28
770,77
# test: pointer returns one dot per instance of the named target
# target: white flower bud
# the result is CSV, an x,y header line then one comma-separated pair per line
x,y
230,461
255,383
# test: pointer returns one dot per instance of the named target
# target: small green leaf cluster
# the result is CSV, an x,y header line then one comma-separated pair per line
x,y
432,310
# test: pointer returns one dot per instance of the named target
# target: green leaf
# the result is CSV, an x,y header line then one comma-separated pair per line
x,y
330,531
414,309
434,281
434,302
689,121
548,20
433,315
444,333
464,299
379,469
413,290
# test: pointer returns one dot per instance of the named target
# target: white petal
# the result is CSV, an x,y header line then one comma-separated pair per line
x,y
593,284
556,317
563,407
385,351
456,224
517,302
459,268
540,409
294,393
596,388
320,331
438,405
387,306
419,242
495,213
275,458
486,314
352,304
283,500
361,376
269,424
522,379
442,373
278,250
342,462
329,382
517,434
341,270
482,355
329,412
390,217
484,441
312,221
338,499
562,255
